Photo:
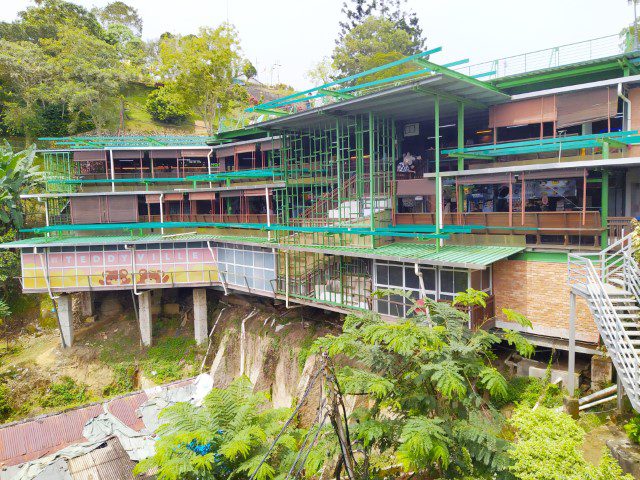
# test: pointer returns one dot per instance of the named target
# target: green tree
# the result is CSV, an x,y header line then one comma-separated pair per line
x,y
203,68
225,438
46,18
86,76
248,70
425,382
165,105
356,12
374,42
119,13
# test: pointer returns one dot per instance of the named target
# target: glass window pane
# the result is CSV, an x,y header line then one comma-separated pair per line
x,y
461,281
383,307
411,279
476,279
382,274
486,279
429,277
395,276
446,281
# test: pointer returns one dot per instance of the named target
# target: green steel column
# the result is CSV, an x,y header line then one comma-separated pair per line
x,y
339,169
359,157
437,142
371,167
604,202
395,153
460,146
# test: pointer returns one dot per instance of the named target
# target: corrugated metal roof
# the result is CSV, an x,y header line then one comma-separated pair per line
x,y
42,436
463,256
108,462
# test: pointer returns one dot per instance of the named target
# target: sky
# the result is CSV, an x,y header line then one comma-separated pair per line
x,y
286,38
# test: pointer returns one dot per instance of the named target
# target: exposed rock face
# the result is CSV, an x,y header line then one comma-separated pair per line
x,y
272,352
627,454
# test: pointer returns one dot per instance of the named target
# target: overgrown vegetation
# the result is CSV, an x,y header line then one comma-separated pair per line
x,y
547,446
64,393
225,438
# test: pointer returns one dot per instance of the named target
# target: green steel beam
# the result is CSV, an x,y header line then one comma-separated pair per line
x,y
604,213
336,94
460,146
544,141
460,76
349,78
437,155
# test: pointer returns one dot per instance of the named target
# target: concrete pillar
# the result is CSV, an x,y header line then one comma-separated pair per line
x,y
571,381
200,315
145,316
86,304
65,316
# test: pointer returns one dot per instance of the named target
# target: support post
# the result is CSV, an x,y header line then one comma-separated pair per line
x,y
200,315
113,171
438,179
571,387
145,317
460,147
65,316
620,398
604,213
86,302
372,162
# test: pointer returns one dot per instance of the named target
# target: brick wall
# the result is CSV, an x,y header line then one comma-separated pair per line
x,y
539,291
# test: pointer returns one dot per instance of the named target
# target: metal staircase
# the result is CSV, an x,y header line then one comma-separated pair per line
x,y
610,282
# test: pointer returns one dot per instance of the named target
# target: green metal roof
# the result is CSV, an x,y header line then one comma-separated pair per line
x,y
462,256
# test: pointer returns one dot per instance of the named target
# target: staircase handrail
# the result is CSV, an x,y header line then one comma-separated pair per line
x,y
625,359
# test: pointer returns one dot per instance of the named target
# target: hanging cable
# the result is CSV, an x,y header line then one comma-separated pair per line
x,y
293,415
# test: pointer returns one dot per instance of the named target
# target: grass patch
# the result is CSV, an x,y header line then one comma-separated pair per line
x,y
170,359
64,393
123,380
138,120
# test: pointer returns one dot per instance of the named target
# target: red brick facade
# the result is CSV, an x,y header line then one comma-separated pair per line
x,y
539,291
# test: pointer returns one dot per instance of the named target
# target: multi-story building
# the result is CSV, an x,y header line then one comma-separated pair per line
x,y
501,177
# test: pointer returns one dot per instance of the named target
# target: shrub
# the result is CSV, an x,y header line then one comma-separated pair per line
x,y
166,106
633,429
6,410
123,380
548,446
64,393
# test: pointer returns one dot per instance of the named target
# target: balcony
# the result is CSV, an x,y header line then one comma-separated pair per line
x,y
535,225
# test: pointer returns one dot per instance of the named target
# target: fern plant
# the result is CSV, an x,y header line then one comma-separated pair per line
x,y
226,437
427,382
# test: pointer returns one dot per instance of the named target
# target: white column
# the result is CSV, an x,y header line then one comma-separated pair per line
x,y
145,316
200,315
571,378
65,316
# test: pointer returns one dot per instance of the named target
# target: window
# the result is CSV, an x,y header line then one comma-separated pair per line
x,y
452,281
243,265
392,275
